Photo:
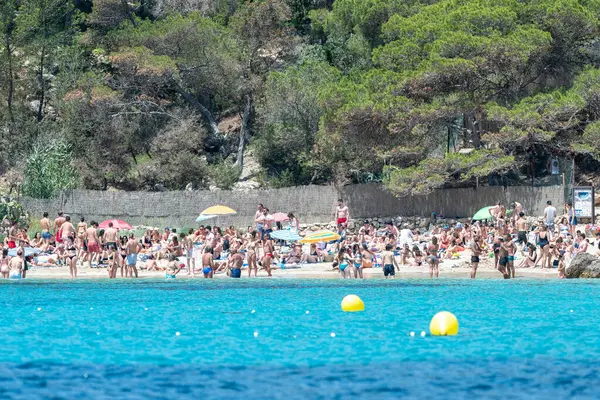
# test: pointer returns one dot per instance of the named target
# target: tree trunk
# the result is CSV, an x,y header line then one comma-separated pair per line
x,y
40,112
244,132
211,124
128,12
11,87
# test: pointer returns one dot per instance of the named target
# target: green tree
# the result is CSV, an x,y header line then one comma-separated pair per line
x,y
49,170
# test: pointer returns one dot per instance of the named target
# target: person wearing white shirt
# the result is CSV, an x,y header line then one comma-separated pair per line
x,y
550,215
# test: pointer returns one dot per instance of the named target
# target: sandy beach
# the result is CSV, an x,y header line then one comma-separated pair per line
x,y
448,269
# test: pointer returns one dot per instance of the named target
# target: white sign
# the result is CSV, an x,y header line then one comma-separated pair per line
x,y
583,202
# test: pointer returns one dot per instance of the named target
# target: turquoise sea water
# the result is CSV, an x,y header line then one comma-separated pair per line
x,y
118,339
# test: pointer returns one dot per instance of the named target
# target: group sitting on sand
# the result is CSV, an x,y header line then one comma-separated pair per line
x,y
500,241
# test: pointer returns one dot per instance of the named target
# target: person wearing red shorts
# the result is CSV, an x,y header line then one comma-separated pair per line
x,y
342,213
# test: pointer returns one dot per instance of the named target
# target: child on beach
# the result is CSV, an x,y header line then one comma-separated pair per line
x,y
406,254
389,262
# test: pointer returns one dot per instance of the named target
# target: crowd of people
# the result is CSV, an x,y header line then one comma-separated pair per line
x,y
503,239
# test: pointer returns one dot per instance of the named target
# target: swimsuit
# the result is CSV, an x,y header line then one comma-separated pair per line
x,y
388,269
131,259
206,270
474,259
543,241
343,266
46,235
511,258
15,275
111,246
169,276
236,272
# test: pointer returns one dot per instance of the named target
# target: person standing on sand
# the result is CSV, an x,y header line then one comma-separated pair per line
x,y
476,247
512,249
133,248
268,253
432,258
258,220
342,213
68,230
571,217
503,258
81,237
517,209
110,238
92,240
550,215
58,222
188,246
45,225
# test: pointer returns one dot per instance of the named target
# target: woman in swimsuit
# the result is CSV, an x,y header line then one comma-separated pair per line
x,y
531,258
432,258
544,243
367,257
418,256
269,250
357,257
123,255
71,255
251,254
4,268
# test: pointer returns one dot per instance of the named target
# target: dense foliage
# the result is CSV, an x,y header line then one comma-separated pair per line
x,y
419,94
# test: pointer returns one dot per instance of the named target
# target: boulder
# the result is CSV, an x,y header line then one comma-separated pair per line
x,y
583,265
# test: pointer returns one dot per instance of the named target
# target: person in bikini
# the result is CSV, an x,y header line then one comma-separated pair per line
x,y
432,258
71,255
269,253
251,253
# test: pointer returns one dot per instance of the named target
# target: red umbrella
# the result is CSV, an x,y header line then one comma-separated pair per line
x,y
117,224
280,217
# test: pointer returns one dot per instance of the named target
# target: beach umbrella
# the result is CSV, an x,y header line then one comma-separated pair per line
x,y
286,234
321,236
28,251
218,210
203,218
483,214
117,224
280,217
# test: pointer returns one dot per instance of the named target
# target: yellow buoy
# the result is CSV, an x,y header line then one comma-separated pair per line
x,y
352,303
443,323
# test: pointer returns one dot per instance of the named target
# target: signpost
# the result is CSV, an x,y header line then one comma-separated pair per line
x,y
584,202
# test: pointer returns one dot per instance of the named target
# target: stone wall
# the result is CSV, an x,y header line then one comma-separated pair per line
x,y
310,203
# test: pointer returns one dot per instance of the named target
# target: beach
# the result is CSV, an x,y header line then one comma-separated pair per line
x,y
448,269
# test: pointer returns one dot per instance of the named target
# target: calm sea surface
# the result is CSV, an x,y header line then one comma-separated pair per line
x,y
201,339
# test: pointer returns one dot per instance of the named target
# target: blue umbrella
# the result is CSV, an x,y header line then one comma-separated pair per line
x,y
287,235
203,217
29,251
